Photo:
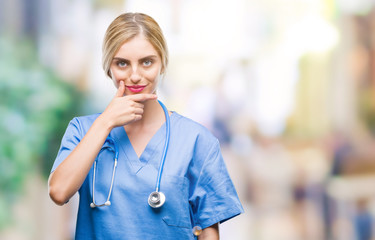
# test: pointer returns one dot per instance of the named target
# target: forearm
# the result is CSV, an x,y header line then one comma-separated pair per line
x,y
68,177
210,233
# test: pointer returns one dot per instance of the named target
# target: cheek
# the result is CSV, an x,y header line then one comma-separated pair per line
x,y
117,75
153,75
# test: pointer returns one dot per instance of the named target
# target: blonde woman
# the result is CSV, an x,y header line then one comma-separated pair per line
x,y
136,147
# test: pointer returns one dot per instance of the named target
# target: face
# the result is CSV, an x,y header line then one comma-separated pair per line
x,y
138,64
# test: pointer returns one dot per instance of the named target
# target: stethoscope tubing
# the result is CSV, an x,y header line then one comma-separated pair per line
x,y
107,202
166,145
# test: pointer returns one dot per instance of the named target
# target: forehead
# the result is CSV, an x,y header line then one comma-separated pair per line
x,y
137,47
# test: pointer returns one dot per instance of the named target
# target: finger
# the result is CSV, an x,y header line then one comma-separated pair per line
x,y
121,89
138,105
138,111
137,117
143,97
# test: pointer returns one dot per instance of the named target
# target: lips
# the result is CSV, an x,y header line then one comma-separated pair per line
x,y
136,88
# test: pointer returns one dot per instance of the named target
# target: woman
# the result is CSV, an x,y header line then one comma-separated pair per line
x,y
113,204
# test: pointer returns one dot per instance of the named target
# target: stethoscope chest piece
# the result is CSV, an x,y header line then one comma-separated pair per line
x,y
156,199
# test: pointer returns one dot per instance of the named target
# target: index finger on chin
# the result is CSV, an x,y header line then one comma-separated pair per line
x,y
143,97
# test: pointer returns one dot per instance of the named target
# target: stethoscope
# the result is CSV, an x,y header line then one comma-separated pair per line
x,y
156,198
107,202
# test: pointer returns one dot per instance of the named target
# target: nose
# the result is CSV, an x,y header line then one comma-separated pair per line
x,y
135,75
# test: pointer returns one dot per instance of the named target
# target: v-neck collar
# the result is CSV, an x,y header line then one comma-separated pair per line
x,y
156,142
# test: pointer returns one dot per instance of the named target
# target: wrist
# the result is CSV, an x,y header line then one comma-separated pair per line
x,y
105,123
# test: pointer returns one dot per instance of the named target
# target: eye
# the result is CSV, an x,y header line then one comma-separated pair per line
x,y
121,64
147,62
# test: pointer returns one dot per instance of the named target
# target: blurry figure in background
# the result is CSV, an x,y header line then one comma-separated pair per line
x,y
340,147
134,128
271,172
363,222
350,190
307,205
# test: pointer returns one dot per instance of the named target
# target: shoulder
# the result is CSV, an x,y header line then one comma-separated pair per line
x,y
87,118
183,121
84,122
190,129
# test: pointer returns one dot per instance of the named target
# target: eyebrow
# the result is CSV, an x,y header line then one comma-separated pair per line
x,y
144,58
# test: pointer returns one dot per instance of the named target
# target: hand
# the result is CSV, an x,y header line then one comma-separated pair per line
x,y
123,110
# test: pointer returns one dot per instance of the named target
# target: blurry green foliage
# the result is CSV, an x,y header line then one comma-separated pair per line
x,y
35,108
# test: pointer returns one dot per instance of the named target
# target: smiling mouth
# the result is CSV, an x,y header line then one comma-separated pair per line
x,y
136,88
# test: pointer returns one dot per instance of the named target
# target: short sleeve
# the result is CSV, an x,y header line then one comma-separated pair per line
x,y
69,141
213,197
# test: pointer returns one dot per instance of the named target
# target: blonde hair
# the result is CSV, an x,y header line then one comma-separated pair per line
x,y
127,26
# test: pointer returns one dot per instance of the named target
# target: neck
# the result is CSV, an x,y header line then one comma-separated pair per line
x,y
152,114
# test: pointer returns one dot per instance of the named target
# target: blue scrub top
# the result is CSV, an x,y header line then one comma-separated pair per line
x,y
195,181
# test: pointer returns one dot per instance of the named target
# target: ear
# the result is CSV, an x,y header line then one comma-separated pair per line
x,y
162,70
111,75
161,75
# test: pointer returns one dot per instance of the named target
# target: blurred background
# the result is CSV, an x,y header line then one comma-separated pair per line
x,y
288,87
